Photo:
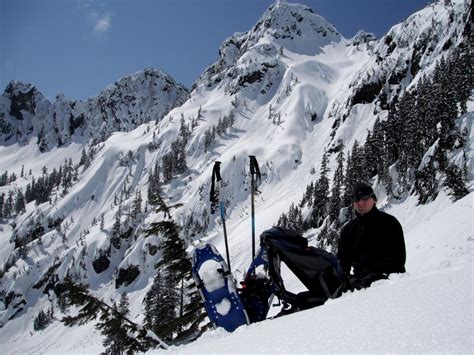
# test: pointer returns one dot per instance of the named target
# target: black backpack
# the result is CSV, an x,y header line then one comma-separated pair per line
x,y
316,268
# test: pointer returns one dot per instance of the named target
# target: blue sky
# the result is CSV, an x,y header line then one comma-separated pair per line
x,y
78,47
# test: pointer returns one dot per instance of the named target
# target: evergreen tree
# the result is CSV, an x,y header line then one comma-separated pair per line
x,y
392,133
42,144
8,206
349,181
43,320
153,301
426,183
12,177
426,112
154,188
360,165
28,193
447,108
412,135
121,334
160,306
181,165
207,139
84,159
332,239
116,329
115,240
175,267
102,222
192,316
295,219
174,258
321,194
137,206
20,205
373,150
184,131
124,304
2,203
283,221
455,182
386,178
308,195
464,74
335,202
322,237
67,176
167,167
4,179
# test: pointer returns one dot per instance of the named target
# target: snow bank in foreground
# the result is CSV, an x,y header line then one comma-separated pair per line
x,y
428,313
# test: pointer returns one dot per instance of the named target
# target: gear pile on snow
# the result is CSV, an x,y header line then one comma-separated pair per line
x,y
229,307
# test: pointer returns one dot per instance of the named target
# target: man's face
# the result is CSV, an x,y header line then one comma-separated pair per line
x,y
364,205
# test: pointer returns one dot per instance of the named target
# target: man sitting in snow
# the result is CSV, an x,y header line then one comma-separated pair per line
x,y
372,244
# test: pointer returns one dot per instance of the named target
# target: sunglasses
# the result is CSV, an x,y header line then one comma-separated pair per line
x,y
363,198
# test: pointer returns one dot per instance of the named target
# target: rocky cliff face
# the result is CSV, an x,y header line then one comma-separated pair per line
x,y
26,115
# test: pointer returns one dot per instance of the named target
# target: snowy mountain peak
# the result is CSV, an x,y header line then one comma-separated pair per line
x,y
135,99
285,24
16,86
362,37
149,78
245,58
24,98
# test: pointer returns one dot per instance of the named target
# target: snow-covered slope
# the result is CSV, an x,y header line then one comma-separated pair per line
x,y
428,309
294,87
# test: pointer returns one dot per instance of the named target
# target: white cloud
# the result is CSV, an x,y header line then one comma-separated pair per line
x,y
99,19
102,23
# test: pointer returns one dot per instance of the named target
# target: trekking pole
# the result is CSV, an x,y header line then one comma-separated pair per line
x,y
255,175
216,177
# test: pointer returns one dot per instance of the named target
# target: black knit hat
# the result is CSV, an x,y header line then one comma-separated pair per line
x,y
361,190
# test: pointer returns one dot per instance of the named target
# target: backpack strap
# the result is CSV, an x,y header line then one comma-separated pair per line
x,y
324,285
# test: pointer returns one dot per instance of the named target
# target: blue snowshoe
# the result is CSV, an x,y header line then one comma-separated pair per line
x,y
217,289
257,289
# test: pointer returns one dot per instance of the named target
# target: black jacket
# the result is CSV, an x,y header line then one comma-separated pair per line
x,y
372,244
